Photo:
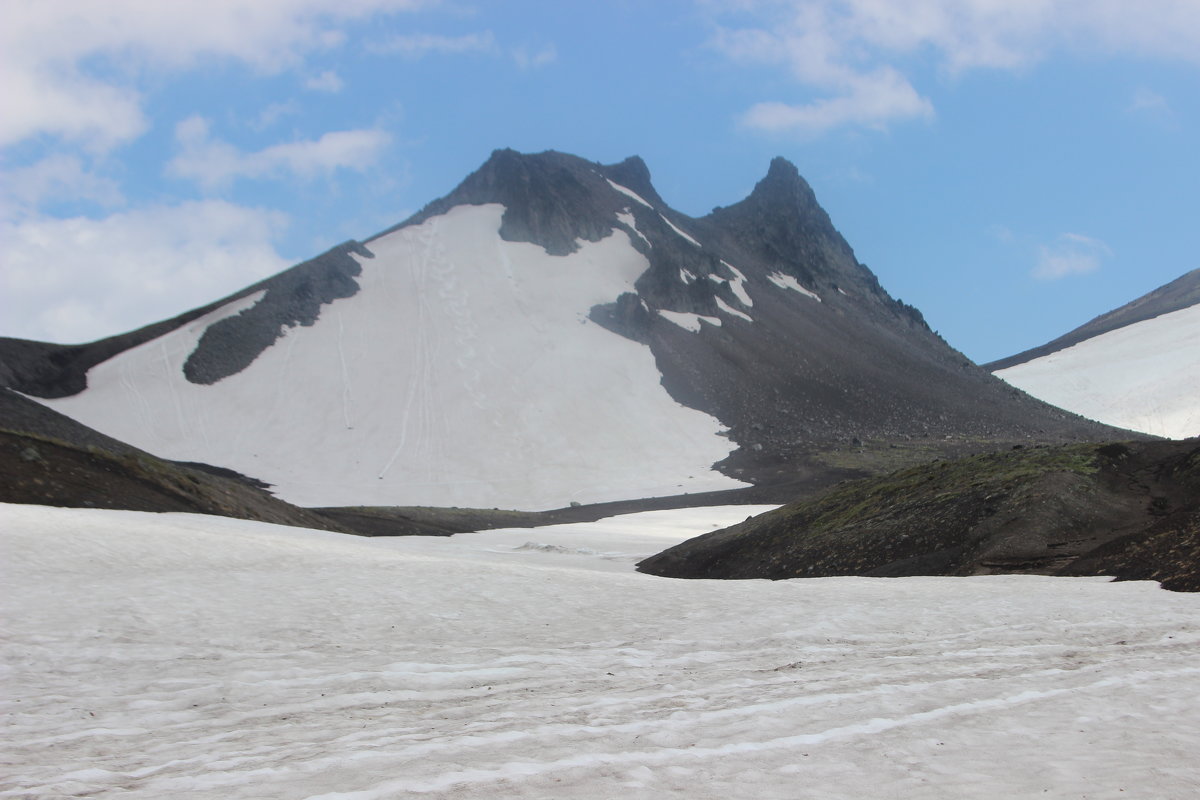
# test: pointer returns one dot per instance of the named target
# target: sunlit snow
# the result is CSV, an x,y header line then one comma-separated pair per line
x,y
687,320
737,284
785,281
728,309
465,372
177,656
677,230
1144,377
628,193
628,219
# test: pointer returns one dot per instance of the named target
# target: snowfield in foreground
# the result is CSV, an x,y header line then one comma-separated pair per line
x,y
179,656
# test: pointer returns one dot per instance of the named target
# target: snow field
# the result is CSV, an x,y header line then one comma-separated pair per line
x,y
151,656
465,372
1144,377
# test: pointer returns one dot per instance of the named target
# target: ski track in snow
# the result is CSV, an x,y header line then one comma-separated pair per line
x,y
170,655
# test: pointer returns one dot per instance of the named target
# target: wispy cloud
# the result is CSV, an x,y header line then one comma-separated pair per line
x,y
1152,106
54,178
1070,254
420,45
49,53
868,100
78,279
327,81
214,163
272,113
533,60
853,58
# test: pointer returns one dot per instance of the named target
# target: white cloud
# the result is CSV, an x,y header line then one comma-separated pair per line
x,y
272,113
527,60
1152,106
327,81
57,177
1070,254
74,280
47,49
869,101
853,53
214,163
419,45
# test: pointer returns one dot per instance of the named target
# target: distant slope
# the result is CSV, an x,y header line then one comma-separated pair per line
x,y
1129,510
1183,292
1137,367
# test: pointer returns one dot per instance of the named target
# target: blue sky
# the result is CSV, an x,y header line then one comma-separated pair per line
x,y
1011,167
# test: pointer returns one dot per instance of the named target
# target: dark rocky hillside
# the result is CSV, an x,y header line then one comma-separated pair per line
x,y
1130,510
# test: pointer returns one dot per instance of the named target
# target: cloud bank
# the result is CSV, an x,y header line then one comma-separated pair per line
x,y
854,60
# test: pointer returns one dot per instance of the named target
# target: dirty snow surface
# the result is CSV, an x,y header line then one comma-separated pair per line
x,y
1144,377
179,656
465,372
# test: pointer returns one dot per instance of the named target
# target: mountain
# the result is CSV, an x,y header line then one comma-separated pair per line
x,y
1137,367
550,332
1130,510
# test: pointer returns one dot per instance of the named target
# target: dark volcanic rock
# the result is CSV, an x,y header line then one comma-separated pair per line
x,y
291,298
1130,510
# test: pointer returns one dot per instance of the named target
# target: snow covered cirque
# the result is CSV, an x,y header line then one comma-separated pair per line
x,y
464,372
154,656
1144,377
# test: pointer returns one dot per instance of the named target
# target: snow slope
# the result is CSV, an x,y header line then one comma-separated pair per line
x,y
464,372
152,656
1144,376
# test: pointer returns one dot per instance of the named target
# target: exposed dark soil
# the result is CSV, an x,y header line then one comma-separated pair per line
x,y
1130,510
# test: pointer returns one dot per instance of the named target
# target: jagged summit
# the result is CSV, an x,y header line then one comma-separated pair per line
x,y
550,331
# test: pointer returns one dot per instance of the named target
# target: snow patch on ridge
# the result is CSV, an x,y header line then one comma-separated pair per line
x,y
737,284
687,320
784,281
1144,377
721,304
628,192
458,375
626,218
677,230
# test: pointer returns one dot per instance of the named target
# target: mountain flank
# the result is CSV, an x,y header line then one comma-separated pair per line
x,y
552,332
